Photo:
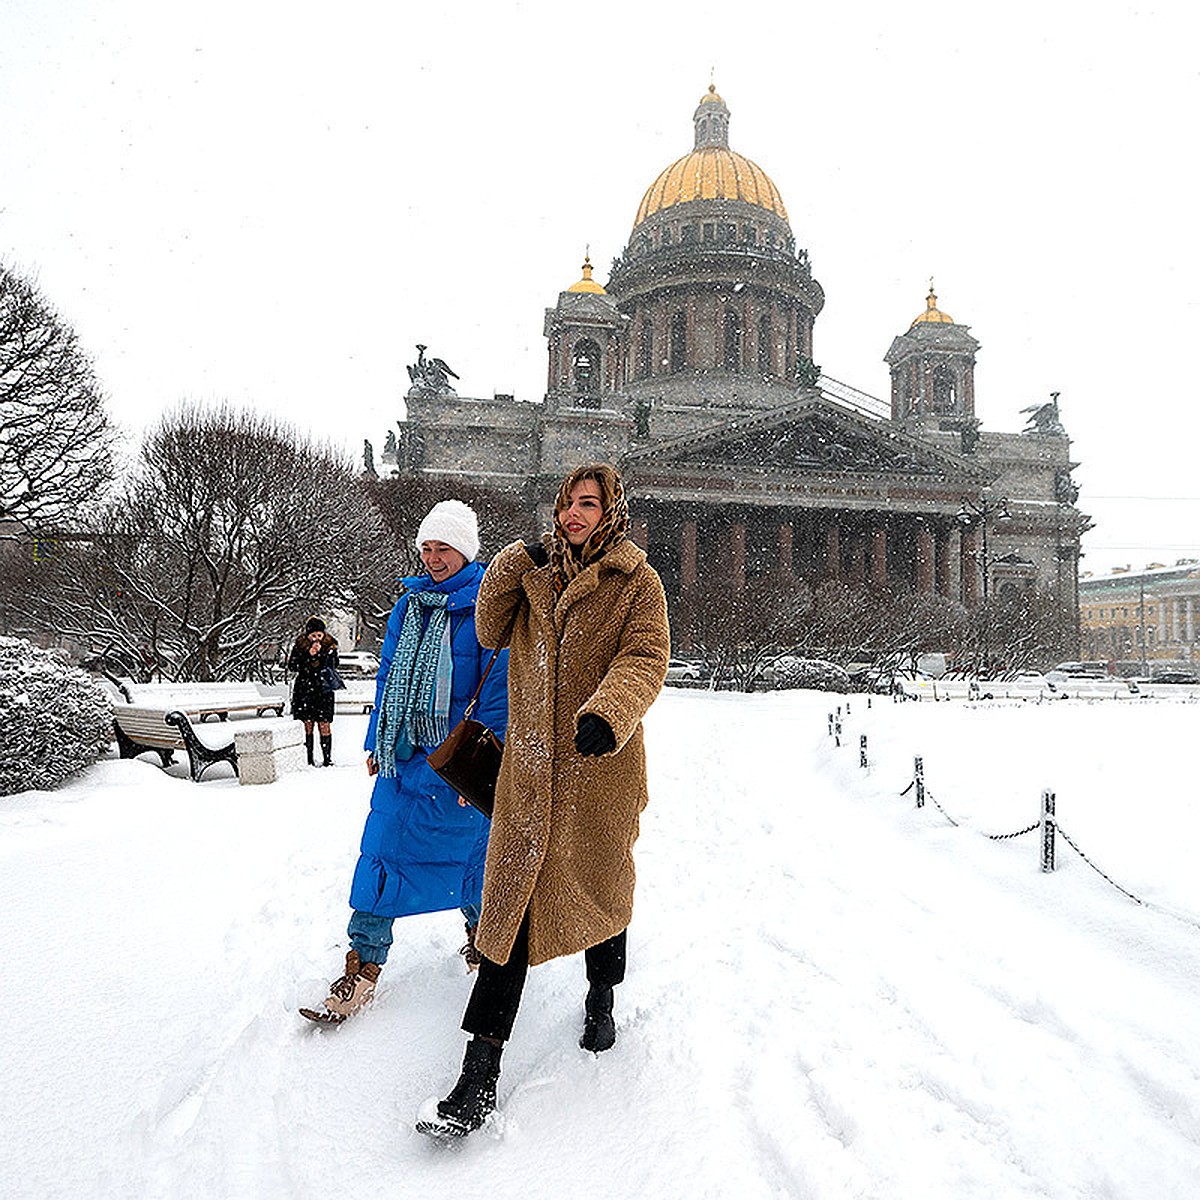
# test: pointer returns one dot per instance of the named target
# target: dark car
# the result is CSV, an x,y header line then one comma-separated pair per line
x,y
1177,677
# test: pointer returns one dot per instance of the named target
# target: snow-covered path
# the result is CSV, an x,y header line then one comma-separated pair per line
x,y
831,994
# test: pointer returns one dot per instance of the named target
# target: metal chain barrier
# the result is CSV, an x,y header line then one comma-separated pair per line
x,y
1048,824
1125,891
1003,837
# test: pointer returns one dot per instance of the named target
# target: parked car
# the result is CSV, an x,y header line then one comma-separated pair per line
x,y
680,670
358,662
1176,677
790,671
1066,672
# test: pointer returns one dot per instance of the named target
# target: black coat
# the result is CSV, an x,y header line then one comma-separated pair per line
x,y
310,702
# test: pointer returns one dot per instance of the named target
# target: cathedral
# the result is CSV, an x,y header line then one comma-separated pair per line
x,y
692,369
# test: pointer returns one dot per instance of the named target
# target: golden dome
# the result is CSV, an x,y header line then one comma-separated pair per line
x,y
932,314
711,173
587,283
711,97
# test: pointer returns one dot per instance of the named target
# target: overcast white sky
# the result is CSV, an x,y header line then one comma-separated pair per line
x,y
269,203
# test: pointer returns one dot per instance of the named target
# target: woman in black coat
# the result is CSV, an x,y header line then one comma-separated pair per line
x,y
315,649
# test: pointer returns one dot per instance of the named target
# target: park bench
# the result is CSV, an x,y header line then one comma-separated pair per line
x,y
257,752
214,700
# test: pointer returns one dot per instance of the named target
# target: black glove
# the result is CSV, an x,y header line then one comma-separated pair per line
x,y
535,550
594,735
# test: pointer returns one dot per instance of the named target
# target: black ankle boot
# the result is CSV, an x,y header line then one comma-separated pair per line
x,y
308,746
326,750
599,1028
473,1097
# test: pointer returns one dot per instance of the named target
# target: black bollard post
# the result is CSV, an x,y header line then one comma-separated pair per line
x,y
1047,830
919,777
862,750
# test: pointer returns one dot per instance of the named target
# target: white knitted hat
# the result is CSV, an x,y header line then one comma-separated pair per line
x,y
452,522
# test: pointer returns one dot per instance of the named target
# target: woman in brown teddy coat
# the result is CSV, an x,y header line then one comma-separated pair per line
x,y
588,653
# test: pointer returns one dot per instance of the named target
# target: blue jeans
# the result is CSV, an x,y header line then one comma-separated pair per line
x,y
371,936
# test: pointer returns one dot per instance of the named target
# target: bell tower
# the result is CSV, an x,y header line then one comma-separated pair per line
x,y
583,342
933,372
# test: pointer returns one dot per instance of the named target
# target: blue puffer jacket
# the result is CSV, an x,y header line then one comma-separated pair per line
x,y
421,850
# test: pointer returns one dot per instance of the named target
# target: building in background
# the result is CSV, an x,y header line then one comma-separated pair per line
x,y
693,370
1148,618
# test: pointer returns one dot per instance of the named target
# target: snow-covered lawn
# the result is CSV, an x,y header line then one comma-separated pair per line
x,y
831,994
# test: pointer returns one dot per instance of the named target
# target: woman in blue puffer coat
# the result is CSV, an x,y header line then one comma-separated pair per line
x,y
423,849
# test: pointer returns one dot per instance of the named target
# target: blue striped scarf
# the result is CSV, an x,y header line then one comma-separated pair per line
x,y
415,709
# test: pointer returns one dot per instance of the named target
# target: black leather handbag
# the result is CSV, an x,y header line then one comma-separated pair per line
x,y
469,759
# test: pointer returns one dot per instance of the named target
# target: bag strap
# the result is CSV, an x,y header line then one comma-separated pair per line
x,y
491,663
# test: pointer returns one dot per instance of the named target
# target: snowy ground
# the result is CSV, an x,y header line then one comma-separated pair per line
x,y
831,995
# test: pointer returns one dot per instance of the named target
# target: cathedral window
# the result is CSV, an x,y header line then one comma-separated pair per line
x,y
765,344
749,235
646,359
585,367
666,237
687,233
770,240
945,399
731,357
726,232
679,342
709,231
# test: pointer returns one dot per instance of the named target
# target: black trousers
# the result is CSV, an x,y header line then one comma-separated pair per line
x,y
496,996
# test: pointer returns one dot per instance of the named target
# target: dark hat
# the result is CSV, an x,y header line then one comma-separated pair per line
x,y
315,625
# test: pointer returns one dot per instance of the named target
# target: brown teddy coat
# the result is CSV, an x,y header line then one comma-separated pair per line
x,y
562,835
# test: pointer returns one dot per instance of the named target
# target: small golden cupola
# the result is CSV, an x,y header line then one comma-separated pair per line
x,y
932,314
587,283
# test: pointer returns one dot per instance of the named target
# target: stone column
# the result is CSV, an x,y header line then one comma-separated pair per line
x,y
954,562
786,542
1162,622
879,572
925,554
858,555
737,555
1189,621
969,558
945,585
687,557
833,549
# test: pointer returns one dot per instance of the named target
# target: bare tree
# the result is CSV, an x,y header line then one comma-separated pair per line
x,y
54,432
232,529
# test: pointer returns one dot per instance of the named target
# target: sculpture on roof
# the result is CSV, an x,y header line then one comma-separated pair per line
x,y
1044,418
430,376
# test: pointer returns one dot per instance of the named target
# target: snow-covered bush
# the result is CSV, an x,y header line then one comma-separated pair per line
x,y
53,720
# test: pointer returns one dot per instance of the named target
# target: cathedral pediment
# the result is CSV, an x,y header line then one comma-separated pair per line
x,y
813,436
813,448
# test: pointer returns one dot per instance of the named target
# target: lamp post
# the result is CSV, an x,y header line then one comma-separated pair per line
x,y
984,510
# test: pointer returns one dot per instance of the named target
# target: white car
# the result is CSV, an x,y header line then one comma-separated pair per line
x,y
358,662
679,671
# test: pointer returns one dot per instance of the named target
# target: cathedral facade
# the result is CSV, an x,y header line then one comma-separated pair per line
x,y
693,370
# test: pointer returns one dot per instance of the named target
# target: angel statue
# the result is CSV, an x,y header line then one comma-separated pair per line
x,y
430,375
1044,417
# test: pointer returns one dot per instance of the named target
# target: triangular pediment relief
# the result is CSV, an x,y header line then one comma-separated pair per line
x,y
815,436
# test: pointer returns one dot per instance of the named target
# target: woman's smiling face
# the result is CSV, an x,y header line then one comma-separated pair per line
x,y
583,512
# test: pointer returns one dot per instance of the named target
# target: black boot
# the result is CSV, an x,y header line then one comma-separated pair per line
x,y
308,746
326,750
473,1097
599,1028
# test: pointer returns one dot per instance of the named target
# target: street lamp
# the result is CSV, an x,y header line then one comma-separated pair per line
x,y
983,510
